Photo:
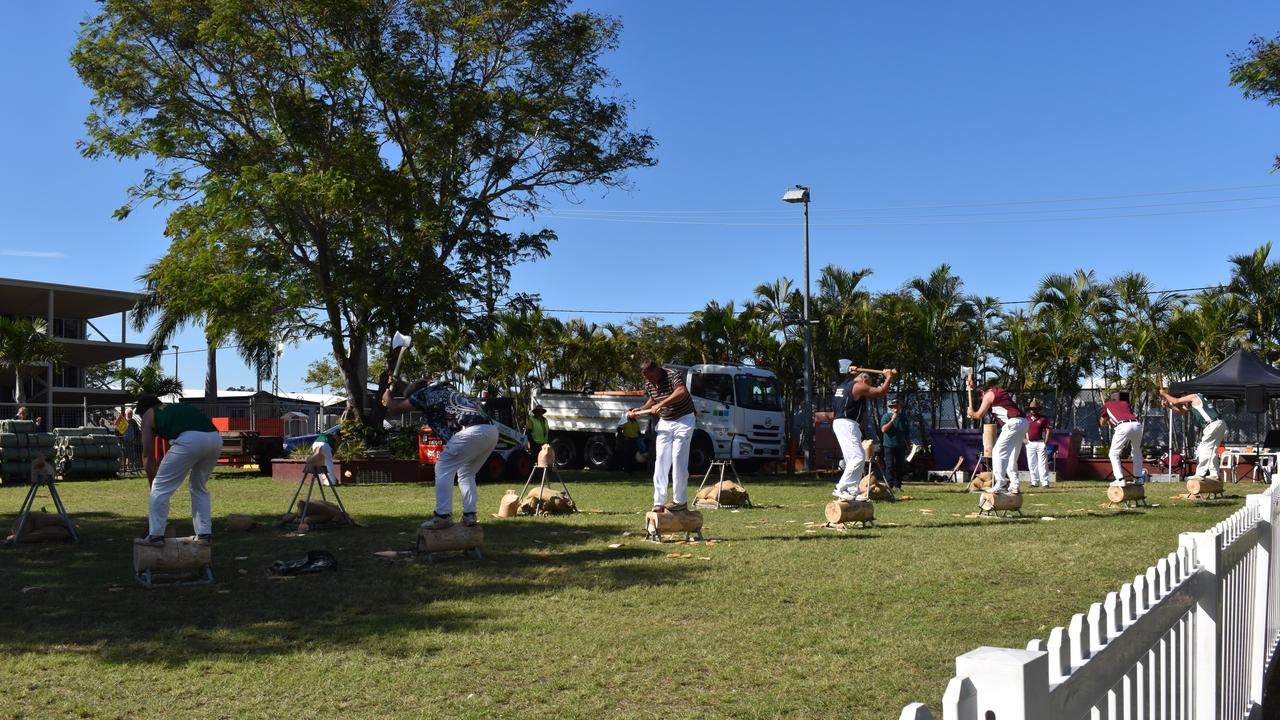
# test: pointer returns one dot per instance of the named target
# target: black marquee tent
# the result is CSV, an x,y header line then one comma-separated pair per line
x,y
1237,377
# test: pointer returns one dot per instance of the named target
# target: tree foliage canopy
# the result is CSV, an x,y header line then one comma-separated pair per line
x,y
354,160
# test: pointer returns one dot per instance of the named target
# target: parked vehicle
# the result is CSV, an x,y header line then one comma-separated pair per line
x,y
509,461
738,410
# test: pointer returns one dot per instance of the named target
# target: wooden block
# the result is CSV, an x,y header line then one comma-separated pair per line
x,y
1130,492
992,501
981,481
1204,486
843,511
239,523
546,457
670,522
728,492
176,555
455,537
508,505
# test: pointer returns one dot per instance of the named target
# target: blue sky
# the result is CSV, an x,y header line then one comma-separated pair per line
x,y
929,132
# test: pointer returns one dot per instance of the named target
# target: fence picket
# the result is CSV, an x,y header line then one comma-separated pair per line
x,y
1078,632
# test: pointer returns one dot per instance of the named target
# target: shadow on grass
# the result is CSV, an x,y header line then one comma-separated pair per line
x,y
82,598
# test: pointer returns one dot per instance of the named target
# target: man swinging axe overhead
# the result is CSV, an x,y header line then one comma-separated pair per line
x,y
849,408
1214,429
1013,429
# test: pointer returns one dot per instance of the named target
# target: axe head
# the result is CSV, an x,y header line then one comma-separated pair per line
x,y
401,340
844,364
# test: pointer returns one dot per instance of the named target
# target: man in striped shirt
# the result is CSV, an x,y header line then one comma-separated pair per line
x,y
669,399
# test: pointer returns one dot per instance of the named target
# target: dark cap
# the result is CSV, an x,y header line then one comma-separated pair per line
x,y
145,403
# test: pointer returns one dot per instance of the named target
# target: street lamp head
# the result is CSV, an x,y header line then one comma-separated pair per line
x,y
797,194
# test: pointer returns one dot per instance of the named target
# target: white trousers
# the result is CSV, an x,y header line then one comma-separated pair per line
x,y
1208,461
1004,456
1130,434
849,435
327,453
463,456
671,456
191,452
1038,463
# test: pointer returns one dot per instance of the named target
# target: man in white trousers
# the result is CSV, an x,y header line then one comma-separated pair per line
x,y
194,447
1125,431
1214,429
1037,445
669,399
469,438
1013,428
849,410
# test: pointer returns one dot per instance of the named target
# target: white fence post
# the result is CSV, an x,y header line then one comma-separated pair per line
x,y
1266,508
1009,684
1207,641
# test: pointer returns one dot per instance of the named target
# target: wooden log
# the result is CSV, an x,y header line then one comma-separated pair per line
x,y
1204,486
874,488
727,492
49,533
455,537
239,523
509,504
39,521
843,511
546,456
981,481
670,522
176,555
992,501
989,433
1130,492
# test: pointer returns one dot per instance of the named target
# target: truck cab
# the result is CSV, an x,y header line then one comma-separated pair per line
x,y
739,413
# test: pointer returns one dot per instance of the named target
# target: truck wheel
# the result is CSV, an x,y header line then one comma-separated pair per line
x,y
519,465
599,452
566,453
701,453
491,471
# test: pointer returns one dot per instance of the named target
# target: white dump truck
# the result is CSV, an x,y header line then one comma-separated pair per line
x,y
738,409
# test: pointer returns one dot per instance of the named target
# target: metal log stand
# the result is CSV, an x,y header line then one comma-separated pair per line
x,y
721,464
311,474
546,464
45,479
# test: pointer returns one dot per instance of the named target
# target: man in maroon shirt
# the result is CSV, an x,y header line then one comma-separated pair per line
x,y
1125,430
1013,428
1037,445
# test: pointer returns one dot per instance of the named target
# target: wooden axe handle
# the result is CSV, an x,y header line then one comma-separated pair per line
x,y
870,370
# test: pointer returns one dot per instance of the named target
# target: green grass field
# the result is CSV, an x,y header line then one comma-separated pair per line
x,y
772,620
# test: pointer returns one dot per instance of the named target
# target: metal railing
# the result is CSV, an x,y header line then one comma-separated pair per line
x,y
1192,637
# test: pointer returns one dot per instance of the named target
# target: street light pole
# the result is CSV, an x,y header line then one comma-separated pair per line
x,y
800,194
175,361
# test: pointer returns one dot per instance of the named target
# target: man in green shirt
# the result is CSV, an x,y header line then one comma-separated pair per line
x,y
537,430
895,432
194,447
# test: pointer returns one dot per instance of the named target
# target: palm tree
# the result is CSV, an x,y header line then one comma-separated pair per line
x,y
23,344
1068,308
148,380
943,319
1256,281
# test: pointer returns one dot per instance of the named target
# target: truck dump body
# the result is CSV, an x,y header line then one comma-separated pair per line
x,y
600,412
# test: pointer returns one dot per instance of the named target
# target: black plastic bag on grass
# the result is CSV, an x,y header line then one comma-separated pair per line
x,y
316,561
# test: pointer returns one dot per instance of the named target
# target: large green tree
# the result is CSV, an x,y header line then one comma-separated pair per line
x,y
24,344
363,154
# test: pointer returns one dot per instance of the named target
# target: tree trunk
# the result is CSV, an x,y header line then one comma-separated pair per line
x,y
19,396
211,379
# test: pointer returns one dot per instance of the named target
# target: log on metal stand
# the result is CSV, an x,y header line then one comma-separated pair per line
x,y
176,557
467,539
1130,495
995,503
1202,487
688,522
840,512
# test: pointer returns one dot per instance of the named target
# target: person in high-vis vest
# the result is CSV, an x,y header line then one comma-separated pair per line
x,y
849,410
538,432
1125,431
194,447
1214,429
1013,429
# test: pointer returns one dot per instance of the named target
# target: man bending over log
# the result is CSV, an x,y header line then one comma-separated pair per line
x,y
194,447
1214,429
1126,430
469,437
669,399
1013,429
849,408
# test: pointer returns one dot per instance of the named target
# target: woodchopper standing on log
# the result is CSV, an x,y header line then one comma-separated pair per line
x,y
1013,429
1214,429
849,409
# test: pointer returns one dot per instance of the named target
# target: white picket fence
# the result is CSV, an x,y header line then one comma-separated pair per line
x,y
1191,639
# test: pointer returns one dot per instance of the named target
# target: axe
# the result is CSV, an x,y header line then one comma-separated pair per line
x,y
854,370
402,341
